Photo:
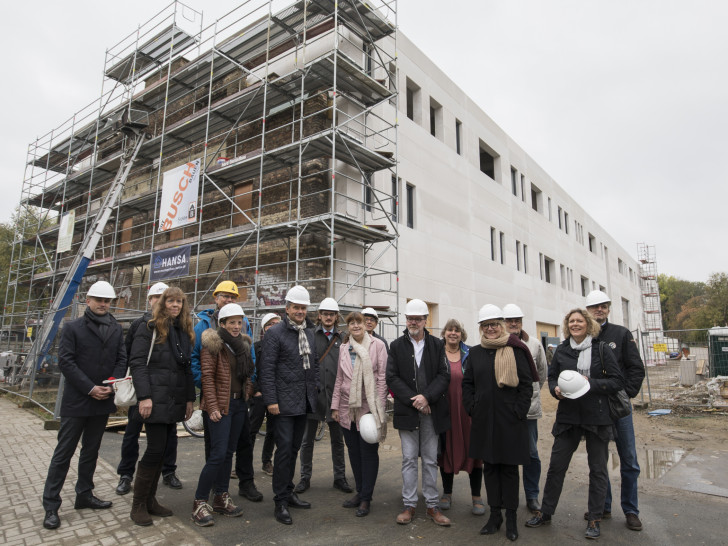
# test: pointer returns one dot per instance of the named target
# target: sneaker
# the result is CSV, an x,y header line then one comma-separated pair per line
x,y
633,522
268,468
223,504
592,530
171,480
202,514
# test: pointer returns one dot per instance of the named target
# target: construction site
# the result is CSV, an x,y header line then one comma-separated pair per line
x,y
258,149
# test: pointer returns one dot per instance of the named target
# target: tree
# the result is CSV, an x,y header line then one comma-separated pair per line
x,y
675,294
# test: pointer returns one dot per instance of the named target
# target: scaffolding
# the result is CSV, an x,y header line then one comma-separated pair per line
x,y
652,310
290,107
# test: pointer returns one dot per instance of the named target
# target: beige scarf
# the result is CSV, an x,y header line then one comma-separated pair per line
x,y
363,376
505,361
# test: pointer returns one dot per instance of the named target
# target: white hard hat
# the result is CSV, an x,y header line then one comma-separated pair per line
x,y
101,289
573,384
298,294
416,308
595,297
230,310
368,429
489,312
511,310
371,312
267,318
328,304
157,289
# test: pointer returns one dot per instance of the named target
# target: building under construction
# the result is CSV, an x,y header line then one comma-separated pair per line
x,y
285,115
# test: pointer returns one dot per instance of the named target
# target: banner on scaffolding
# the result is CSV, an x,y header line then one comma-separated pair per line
x,y
65,232
170,263
180,187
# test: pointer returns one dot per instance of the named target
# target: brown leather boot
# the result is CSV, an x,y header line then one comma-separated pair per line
x,y
438,517
223,504
406,517
142,486
153,506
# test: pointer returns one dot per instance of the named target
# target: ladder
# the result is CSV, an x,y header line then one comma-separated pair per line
x,y
52,320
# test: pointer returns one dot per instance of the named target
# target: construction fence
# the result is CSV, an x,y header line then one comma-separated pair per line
x,y
685,368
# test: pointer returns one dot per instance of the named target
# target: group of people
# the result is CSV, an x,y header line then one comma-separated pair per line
x,y
457,407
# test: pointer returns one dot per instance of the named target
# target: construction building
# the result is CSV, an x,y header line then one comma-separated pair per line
x,y
329,152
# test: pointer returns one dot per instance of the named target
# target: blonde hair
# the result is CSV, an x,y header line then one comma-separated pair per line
x,y
592,326
456,325
162,320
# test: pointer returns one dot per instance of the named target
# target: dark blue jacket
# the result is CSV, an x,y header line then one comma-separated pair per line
x,y
620,340
86,360
282,379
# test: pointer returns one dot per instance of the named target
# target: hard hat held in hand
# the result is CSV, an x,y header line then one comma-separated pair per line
x,y
368,429
573,384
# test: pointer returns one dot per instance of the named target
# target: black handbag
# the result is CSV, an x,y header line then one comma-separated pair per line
x,y
619,403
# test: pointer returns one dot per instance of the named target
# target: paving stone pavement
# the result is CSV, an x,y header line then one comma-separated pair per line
x,y
25,451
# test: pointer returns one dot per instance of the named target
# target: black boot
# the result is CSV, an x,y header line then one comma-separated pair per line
x,y
142,485
494,521
511,529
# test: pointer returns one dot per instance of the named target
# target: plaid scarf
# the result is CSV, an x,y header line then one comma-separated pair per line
x,y
304,349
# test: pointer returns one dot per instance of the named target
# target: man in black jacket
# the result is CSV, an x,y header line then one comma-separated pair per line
x,y
327,339
91,349
289,379
130,443
418,376
625,349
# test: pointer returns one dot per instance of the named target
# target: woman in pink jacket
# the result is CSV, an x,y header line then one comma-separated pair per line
x,y
361,388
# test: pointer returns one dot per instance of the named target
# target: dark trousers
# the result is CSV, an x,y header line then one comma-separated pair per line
x,y
130,447
90,430
337,449
157,440
244,451
288,432
475,480
597,453
364,461
257,412
224,437
501,485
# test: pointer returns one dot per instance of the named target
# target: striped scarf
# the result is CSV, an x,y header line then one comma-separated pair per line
x,y
304,348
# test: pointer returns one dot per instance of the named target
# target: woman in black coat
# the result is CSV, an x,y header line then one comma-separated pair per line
x,y
165,390
497,390
593,374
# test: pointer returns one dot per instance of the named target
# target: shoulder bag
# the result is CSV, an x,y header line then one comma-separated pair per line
x,y
619,403
124,391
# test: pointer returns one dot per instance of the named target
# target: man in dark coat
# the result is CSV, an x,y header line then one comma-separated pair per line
x,y
130,443
289,378
623,345
91,349
418,377
327,339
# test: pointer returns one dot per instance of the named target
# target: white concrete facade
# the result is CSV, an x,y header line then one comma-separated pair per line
x,y
477,239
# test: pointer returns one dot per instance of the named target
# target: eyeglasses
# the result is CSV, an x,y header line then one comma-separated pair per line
x,y
370,319
227,296
490,326
416,320
328,314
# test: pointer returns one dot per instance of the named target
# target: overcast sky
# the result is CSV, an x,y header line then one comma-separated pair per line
x,y
623,102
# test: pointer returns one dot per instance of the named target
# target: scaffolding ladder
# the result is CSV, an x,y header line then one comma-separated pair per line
x,y
53,317
651,308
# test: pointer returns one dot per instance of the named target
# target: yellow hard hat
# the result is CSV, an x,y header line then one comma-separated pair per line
x,y
226,286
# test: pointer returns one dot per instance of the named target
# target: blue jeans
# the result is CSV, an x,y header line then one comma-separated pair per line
x,y
532,471
629,468
224,437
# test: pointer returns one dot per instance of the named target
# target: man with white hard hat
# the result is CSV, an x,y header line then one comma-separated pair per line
x,y
327,339
257,409
91,349
371,319
130,443
289,378
418,377
531,472
625,349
